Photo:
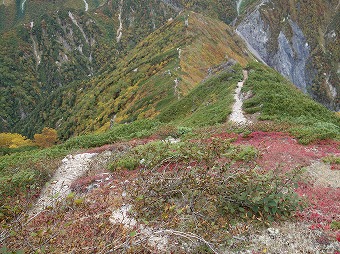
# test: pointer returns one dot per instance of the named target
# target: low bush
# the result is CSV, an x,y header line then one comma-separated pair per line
x,y
209,202
332,159
119,132
208,154
280,101
316,131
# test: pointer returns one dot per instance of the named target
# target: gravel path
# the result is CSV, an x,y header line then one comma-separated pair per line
x,y
237,115
238,6
59,187
86,5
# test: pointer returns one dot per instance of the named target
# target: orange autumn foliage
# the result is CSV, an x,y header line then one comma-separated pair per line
x,y
46,138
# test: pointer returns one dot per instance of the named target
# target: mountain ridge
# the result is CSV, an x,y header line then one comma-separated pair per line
x,y
74,44
143,154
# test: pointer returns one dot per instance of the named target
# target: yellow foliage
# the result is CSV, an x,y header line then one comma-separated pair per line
x,y
213,44
151,113
104,128
120,118
14,140
48,137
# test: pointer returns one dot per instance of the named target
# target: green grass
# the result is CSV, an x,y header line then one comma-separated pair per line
x,y
119,132
157,152
208,104
332,159
278,100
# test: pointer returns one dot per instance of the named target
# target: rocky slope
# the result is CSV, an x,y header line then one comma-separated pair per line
x,y
300,39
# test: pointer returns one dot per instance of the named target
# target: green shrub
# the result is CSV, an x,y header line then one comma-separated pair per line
x,y
331,159
137,129
335,225
206,153
317,131
257,194
125,163
279,100
206,202
144,155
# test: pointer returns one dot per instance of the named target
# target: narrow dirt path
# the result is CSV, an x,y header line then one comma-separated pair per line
x,y
23,5
237,115
86,5
59,187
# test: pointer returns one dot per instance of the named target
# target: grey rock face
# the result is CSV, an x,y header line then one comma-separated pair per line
x,y
290,58
256,34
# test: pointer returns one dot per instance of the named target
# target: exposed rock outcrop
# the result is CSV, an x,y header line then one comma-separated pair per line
x,y
299,41
291,56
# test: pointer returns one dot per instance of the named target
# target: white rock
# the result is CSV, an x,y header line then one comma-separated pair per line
x,y
273,231
121,216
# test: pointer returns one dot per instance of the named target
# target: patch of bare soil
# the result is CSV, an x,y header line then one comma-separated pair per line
x,y
293,237
322,175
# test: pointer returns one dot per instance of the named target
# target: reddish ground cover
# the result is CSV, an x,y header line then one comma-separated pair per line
x,y
277,149
280,149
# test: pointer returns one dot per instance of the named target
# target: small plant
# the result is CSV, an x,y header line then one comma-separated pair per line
x,y
335,225
125,163
331,159
208,154
144,155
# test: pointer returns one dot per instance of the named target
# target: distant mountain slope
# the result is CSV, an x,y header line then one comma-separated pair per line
x,y
160,70
80,66
52,45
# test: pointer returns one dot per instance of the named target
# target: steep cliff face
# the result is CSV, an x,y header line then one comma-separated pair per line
x,y
291,38
291,56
